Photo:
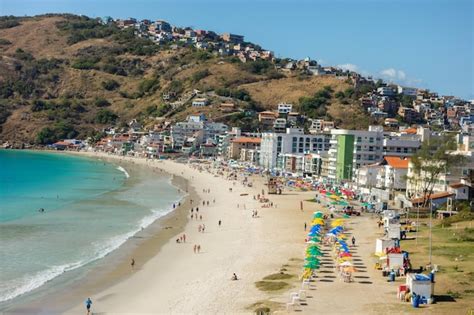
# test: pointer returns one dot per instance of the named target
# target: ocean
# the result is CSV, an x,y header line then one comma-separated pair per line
x,y
90,208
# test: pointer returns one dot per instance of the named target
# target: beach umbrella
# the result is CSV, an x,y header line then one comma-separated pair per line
x,y
345,254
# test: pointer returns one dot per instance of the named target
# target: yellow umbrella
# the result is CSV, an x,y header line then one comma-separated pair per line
x,y
318,221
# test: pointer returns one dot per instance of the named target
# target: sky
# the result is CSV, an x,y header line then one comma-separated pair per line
x,y
419,43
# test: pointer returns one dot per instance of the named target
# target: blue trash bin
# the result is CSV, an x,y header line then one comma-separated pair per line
x,y
432,277
415,300
391,276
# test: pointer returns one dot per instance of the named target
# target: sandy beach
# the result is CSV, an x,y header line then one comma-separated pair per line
x,y
171,278
177,280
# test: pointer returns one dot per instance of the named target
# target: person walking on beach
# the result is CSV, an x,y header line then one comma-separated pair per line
x,y
195,248
184,238
200,217
132,263
353,241
199,249
88,303
220,222
305,226
203,228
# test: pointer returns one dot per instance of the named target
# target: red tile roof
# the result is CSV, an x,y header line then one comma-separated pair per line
x,y
247,140
411,131
457,185
434,196
397,162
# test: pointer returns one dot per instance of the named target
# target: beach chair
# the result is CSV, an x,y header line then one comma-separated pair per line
x,y
305,284
292,295
289,306
302,294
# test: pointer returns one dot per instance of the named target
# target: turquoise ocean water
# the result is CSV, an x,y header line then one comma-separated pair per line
x,y
90,208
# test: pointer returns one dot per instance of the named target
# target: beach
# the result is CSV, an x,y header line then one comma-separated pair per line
x,y
176,280
170,277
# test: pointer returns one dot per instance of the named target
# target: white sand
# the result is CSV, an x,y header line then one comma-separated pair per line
x,y
178,281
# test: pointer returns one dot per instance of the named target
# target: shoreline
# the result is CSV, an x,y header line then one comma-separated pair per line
x,y
114,266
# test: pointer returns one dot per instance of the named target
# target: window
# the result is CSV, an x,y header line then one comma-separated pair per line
x,y
371,149
371,140
358,156
405,150
358,148
359,139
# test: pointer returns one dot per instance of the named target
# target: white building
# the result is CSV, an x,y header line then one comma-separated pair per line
x,y
284,108
407,90
200,102
352,149
279,125
195,128
294,141
320,125
392,175
401,145
386,91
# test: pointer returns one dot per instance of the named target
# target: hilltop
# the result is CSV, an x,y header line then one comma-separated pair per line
x,y
68,76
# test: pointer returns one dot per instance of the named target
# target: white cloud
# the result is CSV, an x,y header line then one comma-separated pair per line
x,y
348,66
393,74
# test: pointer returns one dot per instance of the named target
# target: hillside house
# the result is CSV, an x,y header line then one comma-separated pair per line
x,y
200,102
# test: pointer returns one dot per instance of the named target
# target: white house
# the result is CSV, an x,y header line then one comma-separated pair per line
x,y
284,108
200,102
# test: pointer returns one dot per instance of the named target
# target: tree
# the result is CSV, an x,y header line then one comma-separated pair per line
x,y
105,116
433,159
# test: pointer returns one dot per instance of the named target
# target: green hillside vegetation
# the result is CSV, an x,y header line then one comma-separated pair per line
x,y
67,75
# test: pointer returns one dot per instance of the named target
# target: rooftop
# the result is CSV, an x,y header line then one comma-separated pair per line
x,y
435,196
397,162
247,140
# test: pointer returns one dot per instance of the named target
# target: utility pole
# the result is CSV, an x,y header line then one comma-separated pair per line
x,y
431,215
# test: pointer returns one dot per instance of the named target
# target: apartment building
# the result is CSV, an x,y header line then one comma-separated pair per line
x,y
293,141
352,149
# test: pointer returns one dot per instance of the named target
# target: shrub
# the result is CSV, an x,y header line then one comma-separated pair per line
x,y
199,75
148,85
110,85
60,130
105,116
23,55
4,41
82,28
257,67
101,102
85,63
8,22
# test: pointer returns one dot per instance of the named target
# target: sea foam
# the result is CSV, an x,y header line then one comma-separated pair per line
x,y
124,171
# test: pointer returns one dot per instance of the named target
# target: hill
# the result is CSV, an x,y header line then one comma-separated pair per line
x,y
69,76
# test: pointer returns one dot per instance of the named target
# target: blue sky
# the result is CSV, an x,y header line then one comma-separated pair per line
x,y
422,43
